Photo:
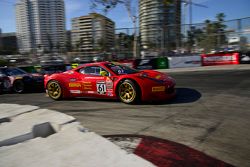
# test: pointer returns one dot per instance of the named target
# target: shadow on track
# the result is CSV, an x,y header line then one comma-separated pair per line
x,y
186,95
183,95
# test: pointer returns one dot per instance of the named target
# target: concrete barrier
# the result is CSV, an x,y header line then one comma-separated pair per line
x,y
184,61
41,137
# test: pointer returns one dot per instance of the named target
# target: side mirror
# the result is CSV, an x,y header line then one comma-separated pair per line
x,y
104,73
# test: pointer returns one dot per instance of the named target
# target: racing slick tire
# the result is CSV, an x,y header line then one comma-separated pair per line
x,y
18,86
128,92
54,90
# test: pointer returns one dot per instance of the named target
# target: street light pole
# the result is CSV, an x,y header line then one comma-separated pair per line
x,y
135,37
190,15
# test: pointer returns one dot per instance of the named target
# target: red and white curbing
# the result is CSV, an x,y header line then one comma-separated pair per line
x,y
165,153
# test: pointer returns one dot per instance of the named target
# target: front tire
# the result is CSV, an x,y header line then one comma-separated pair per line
x,y
54,90
128,92
18,86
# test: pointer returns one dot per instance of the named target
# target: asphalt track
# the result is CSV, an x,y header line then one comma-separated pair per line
x,y
211,114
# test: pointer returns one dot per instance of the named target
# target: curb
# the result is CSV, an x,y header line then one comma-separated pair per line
x,y
164,153
30,136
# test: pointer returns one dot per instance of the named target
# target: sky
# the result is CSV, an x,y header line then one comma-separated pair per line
x,y
233,9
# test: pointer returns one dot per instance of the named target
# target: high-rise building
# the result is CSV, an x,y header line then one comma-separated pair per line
x,y
40,25
92,33
160,23
8,42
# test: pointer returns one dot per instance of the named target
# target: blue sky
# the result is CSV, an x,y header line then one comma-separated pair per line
x,y
233,9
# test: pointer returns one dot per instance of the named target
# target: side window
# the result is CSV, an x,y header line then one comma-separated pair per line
x,y
93,70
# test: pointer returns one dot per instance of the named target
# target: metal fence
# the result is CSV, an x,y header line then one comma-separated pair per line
x,y
207,37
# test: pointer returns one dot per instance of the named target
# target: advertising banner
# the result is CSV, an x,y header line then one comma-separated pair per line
x,y
245,58
184,61
220,59
161,63
143,64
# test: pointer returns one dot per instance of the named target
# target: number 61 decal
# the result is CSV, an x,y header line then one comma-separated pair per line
x,y
101,87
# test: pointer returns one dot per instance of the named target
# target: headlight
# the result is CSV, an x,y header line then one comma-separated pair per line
x,y
145,75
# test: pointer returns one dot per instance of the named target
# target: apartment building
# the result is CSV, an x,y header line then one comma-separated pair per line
x,y
40,25
92,34
159,23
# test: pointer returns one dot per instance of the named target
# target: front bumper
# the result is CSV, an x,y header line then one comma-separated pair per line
x,y
157,93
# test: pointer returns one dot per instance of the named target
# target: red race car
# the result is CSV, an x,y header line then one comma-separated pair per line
x,y
110,80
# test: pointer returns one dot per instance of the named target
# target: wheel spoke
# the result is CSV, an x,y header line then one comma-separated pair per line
x,y
54,90
127,92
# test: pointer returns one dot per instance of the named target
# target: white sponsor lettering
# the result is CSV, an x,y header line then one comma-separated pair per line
x,y
90,92
75,91
220,58
144,62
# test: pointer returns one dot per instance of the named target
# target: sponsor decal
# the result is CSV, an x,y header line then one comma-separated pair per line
x,y
19,78
87,86
74,85
75,91
86,82
109,83
158,77
101,87
90,92
158,89
110,94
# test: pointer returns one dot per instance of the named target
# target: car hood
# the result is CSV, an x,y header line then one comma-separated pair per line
x,y
156,76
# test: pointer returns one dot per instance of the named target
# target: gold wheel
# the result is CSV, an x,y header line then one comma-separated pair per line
x,y
127,92
54,90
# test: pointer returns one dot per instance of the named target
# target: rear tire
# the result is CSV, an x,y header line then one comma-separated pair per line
x,y
128,92
54,90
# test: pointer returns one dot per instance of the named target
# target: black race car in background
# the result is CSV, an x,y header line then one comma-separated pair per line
x,y
5,84
21,81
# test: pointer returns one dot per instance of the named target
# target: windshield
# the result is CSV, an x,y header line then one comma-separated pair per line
x,y
120,69
13,71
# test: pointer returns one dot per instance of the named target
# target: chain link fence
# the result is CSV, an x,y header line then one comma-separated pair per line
x,y
207,37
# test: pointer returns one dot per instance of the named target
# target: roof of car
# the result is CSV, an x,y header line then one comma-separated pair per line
x,y
94,63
